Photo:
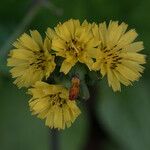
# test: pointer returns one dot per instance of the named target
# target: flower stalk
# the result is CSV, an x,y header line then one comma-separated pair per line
x,y
96,133
54,138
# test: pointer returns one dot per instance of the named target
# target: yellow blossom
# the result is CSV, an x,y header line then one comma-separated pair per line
x,y
31,59
51,102
118,56
74,42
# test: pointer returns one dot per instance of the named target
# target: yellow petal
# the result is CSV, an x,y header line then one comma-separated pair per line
x,y
140,58
103,32
47,44
115,32
87,60
50,33
127,38
95,31
28,42
67,65
113,81
37,38
58,44
133,47
128,73
133,66
121,78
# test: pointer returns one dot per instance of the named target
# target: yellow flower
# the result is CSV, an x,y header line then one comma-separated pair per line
x,y
31,60
118,57
74,42
51,102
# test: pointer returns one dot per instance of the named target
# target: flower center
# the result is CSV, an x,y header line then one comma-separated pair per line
x,y
111,56
39,60
74,47
55,99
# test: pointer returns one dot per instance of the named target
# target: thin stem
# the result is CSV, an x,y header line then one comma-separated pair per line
x,y
33,10
54,140
96,134
55,10
25,22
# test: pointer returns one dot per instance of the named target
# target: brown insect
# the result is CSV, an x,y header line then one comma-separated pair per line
x,y
75,88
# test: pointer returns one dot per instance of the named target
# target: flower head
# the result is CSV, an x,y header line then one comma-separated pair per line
x,y
118,56
31,60
74,42
51,102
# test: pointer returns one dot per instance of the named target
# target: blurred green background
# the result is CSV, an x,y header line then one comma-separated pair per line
x,y
125,116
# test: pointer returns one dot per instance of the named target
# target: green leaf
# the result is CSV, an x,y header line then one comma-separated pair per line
x,y
19,129
126,115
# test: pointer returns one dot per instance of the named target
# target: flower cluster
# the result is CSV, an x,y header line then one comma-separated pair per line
x,y
37,64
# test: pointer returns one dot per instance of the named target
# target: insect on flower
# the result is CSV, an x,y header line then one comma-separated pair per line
x,y
75,88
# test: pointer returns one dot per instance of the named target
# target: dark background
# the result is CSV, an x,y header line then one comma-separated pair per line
x,y
116,121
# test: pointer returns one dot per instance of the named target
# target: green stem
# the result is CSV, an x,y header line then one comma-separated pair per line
x,y
97,135
54,140
21,27
33,10
25,22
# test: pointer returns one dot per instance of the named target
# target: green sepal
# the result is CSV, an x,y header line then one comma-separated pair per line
x,y
78,70
84,91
